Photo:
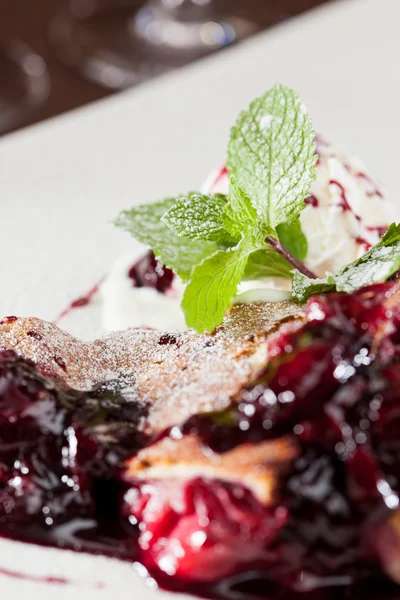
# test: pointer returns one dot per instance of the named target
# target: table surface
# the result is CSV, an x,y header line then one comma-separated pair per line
x,y
64,181
29,21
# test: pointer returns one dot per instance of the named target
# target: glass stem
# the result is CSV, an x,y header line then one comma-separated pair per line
x,y
185,9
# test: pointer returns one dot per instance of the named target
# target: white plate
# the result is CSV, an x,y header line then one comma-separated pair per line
x,y
62,182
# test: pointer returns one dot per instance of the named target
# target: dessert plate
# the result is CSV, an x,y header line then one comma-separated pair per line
x,y
64,181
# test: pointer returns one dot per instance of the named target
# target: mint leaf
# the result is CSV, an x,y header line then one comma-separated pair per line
x,y
392,235
199,216
267,263
303,287
144,221
292,238
213,286
239,213
377,265
271,155
180,254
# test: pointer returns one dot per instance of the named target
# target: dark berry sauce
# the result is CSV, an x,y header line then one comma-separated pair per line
x,y
60,454
85,300
379,230
312,201
167,339
344,204
376,191
8,320
150,272
31,578
332,386
363,242
34,334
79,302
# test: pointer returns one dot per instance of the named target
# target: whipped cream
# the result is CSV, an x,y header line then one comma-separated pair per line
x,y
345,214
127,306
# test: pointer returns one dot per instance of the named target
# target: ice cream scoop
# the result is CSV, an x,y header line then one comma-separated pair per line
x,y
345,214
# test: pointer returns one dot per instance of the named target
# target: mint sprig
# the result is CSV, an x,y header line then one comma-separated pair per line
x,y
376,266
180,255
214,241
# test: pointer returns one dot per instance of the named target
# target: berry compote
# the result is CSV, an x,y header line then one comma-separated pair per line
x,y
150,272
334,386
60,453
333,532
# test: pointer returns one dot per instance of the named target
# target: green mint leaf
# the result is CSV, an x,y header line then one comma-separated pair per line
x,y
377,265
292,238
303,287
180,254
213,286
271,155
267,263
392,235
144,221
239,213
199,216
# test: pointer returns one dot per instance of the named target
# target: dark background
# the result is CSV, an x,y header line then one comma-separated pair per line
x,y
28,20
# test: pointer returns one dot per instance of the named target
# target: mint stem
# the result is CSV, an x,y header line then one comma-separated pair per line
x,y
276,245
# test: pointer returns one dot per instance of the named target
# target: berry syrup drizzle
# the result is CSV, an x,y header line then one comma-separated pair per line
x,y
80,302
332,385
146,272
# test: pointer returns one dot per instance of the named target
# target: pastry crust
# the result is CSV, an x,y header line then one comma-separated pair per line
x,y
256,466
174,376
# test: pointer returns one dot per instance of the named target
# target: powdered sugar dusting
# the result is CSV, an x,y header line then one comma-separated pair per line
x,y
176,375
265,121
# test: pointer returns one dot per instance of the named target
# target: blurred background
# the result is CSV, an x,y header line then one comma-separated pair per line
x,y
56,55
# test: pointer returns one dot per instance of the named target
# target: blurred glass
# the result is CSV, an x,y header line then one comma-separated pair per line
x,y
117,44
24,83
